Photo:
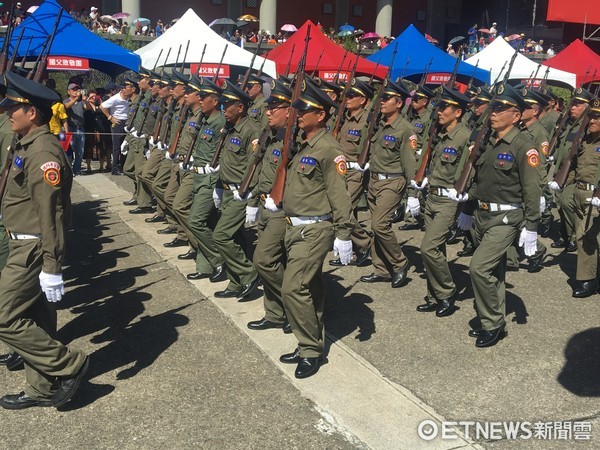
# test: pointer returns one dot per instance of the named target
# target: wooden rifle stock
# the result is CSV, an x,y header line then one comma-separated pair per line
x,y
24,59
343,102
259,154
40,70
6,43
33,71
13,57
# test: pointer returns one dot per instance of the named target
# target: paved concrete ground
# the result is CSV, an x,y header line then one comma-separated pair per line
x,y
160,376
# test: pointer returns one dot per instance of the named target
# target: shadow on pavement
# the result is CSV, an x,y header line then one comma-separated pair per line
x,y
581,372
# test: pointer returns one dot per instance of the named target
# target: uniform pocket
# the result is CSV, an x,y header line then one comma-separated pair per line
x,y
504,161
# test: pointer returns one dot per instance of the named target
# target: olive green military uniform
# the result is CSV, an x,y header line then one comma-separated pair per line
x,y
506,185
240,142
136,145
269,255
257,112
139,147
203,214
155,156
549,120
35,209
315,188
6,136
350,139
392,162
587,218
447,160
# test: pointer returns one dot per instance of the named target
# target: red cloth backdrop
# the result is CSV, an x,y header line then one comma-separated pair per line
x,y
570,11
577,58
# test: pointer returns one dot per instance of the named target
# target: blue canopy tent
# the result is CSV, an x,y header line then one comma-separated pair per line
x,y
414,48
71,39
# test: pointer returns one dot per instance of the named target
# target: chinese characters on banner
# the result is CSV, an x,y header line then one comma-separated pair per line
x,y
209,70
68,63
437,78
329,75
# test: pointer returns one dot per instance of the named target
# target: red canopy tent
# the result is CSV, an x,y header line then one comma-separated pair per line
x,y
577,58
330,62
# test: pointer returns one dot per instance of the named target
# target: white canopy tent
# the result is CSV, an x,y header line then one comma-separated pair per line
x,y
190,28
492,58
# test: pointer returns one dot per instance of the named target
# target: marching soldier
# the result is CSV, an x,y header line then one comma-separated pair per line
x,y
35,210
549,116
333,91
587,221
256,111
240,142
318,209
447,159
506,186
350,138
392,162
269,255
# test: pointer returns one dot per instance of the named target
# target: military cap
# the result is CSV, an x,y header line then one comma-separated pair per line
x,y
483,95
423,91
328,86
453,97
595,108
313,97
550,93
508,95
533,97
164,80
280,93
195,83
232,93
22,90
145,73
362,88
155,77
208,87
179,78
471,92
287,81
253,79
129,81
582,95
396,89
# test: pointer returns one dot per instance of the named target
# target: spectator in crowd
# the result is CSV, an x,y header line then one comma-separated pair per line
x,y
58,122
103,126
450,50
472,33
550,51
91,134
75,105
159,28
493,31
539,47
94,18
19,12
113,28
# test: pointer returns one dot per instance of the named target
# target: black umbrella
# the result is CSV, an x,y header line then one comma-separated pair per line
x,y
223,21
456,39
241,23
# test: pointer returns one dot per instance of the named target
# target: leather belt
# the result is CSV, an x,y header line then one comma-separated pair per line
x,y
386,176
442,192
585,186
22,236
199,169
230,186
495,207
306,220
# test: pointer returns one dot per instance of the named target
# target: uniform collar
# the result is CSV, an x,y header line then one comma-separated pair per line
x,y
316,137
508,138
212,118
396,123
33,135
358,116
454,130
240,124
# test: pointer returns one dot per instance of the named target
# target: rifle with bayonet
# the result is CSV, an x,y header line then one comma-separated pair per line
x,y
312,74
336,78
24,59
13,57
421,84
164,110
291,129
133,112
6,43
246,78
341,113
374,114
39,70
289,64
481,138
434,127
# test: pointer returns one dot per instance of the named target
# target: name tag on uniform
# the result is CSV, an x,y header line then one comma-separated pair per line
x,y
276,154
254,110
419,125
192,124
449,151
597,149
235,141
143,104
176,118
154,108
505,157
389,138
308,160
354,132
18,162
131,110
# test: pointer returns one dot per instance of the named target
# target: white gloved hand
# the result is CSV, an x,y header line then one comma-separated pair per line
x,y
127,130
414,184
217,197
528,240
413,206
134,133
239,198
553,185
53,286
160,146
147,154
124,146
209,169
184,168
419,152
343,249
550,158
453,195
270,204
356,166
542,204
172,157
464,221
251,215
151,142
595,201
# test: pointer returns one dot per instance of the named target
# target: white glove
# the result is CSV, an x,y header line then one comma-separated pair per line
x,y
343,249
172,157
134,133
453,195
124,146
251,215
160,146
127,130
414,184
419,152
550,158
147,154
217,197
464,221
413,206
53,286
270,204
356,166
209,169
595,201
542,204
553,185
528,240
151,142
238,197
184,168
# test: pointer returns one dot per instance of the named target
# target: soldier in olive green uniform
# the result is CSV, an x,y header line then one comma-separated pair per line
x,y
269,255
203,214
392,162
258,107
6,136
35,209
241,137
506,185
318,208
333,91
351,137
445,166
549,117
587,218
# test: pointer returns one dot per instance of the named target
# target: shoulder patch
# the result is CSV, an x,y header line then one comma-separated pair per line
x,y
413,141
51,171
533,157
340,164
545,146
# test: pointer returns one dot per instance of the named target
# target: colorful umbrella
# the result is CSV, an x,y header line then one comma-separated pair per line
x,y
347,27
431,39
141,20
30,10
456,39
248,18
512,37
289,27
484,30
345,33
121,15
370,35
106,18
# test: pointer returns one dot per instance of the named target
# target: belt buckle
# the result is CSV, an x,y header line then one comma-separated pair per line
x,y
226,186
288,220
485,206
